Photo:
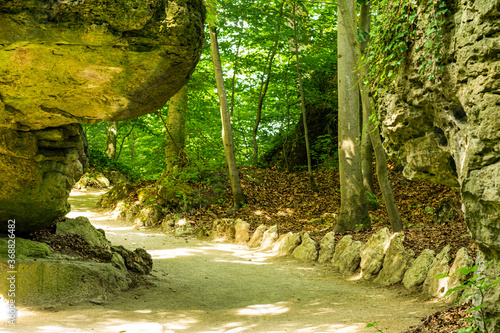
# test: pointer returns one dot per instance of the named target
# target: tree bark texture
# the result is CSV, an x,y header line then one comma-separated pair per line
x,y
366,144
353,209
112,135
227,136
175,137
385,186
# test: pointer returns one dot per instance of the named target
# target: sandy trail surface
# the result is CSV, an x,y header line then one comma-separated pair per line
x,y
202,286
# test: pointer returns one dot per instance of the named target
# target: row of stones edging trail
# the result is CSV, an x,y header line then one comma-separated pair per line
x,y
202,286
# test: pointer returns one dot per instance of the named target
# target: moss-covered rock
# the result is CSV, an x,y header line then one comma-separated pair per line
x,y
69,62
24,248
94,60
39,169
44,282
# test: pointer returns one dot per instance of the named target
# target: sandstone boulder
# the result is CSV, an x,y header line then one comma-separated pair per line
x,y
64,63
350,258
373,253
223,229
269,237
24,248
138,261
339,249
462,261
148,216
417,272
183,227
434,285
241,235
397,260
286,244
326,248
306,250
256,239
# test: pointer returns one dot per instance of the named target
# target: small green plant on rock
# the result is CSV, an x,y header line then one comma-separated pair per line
x,y
474,285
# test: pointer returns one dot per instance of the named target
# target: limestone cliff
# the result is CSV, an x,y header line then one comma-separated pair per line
x,y
447,130
80,61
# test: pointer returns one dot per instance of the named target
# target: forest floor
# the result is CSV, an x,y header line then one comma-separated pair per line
x,y
203,286
287,200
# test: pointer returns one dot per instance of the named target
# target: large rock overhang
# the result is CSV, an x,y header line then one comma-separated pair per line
x,y
64,63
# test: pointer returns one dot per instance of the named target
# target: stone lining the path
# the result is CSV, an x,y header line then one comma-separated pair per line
x,y
382,259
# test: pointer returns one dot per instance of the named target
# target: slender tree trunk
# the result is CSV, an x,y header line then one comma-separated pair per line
x,y
123,140
314,187
234,76
366,144
263,90
354,50
287,115
175,125
112,134
353,210
132,149
227,136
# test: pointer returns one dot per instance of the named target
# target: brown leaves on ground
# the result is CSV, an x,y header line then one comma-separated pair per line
x,y
286,199
443,322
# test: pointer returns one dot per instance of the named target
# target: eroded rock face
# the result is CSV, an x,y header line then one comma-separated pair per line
x,y
64,62
39,168
447,129
69,62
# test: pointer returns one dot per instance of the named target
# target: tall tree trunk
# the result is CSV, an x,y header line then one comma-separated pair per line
x,y
263,89
227,136
235,71
314,187
111,134
132,149
385,186
353,209
175,127
366,144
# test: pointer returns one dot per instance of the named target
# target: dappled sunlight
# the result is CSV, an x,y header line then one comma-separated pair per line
x,y
286,212
348,147
207,286
240,252
173,253
263,214
355,277
264,309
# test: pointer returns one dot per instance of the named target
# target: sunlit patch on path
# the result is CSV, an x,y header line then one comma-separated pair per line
x,y
201,286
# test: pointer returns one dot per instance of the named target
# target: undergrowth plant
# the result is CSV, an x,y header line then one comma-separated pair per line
x,y
475,284
394,33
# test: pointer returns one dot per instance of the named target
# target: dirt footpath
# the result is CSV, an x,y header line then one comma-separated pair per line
x,y
203,286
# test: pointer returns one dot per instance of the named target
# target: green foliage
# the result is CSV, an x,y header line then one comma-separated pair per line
x,y
324,152
374,325
102,163
475,283
394,32
372,199
247,32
